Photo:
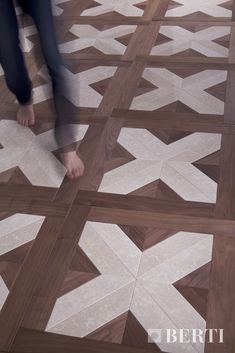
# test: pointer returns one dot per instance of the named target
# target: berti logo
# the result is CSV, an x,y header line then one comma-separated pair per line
x,y
186,336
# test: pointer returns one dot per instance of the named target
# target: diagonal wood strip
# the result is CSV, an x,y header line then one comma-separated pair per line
x,y
41,304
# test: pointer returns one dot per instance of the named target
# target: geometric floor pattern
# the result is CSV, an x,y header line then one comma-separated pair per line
x,y
145,239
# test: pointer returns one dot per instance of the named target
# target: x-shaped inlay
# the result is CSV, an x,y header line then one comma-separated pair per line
x,y
209,7
105,41
135,281
33,154
123,7
190,91
201,41
80,92
170,163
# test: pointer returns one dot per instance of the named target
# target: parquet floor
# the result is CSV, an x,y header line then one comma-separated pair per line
x,y
145,239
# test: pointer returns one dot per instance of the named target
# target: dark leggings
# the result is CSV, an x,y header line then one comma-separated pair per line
x,y
12,60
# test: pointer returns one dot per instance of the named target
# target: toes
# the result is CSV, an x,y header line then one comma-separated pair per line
x,y
69,174
25,116
80,171
74,173
24,122
77,173
19,121
74,166
31,122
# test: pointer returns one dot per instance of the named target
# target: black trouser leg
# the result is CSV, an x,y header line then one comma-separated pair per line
x,y
41,12
11,57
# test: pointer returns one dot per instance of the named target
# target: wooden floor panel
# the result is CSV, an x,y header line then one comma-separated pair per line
x,y
30,341
144,240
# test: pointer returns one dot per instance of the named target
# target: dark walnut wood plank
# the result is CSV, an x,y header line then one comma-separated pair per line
x,y
174,121
233,10
221,310
225,206
22,192
35,207
30,341
199,63
108,20
133,210
221,313
142,41
167,59
229,106
177,21
21,293
229,112
141,203
41,304
45,115
98,56
153,219
92,119
232,42
107,60
151,8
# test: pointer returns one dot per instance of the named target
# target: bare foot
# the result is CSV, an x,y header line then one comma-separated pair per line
x,y
73,164
25,115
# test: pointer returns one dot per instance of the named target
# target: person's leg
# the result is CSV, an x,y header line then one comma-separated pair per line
x,y
41,12
12,61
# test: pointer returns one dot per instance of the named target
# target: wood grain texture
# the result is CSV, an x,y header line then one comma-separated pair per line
x,y
216,21
27,192
166,120
42,208
45,291
141,203
221,313
30,341
153,219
